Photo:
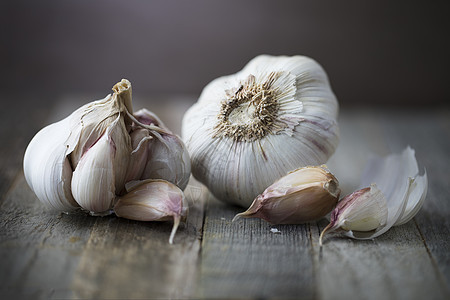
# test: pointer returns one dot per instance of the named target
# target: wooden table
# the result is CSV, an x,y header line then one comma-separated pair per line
x,y
49,255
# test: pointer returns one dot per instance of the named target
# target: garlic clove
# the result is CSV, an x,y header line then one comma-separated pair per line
x,y
153,200
139,156
147,117
167,156
47,169
101,171
168,160
396,178
304,195
364,210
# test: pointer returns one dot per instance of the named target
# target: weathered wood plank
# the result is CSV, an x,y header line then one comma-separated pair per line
x,y
47,254
41,247
246,260
128,259
395,265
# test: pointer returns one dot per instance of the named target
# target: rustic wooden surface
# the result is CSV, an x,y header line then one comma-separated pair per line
x,y
47,255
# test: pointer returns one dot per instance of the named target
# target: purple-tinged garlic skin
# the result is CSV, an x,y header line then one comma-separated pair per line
x,y
364,210
153,200
304,195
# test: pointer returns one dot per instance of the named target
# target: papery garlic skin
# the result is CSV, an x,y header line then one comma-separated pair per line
x,y
304,195
249,129
47,169
153,200
397,177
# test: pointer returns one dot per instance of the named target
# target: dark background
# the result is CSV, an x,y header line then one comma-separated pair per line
x,y
375,52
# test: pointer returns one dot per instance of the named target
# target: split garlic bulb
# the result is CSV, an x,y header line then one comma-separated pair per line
x,y
249,129
86,159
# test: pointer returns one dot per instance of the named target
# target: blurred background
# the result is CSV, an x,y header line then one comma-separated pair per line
x,y
375,52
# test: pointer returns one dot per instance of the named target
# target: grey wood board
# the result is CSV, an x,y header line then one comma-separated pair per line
x,y
245,259
48,254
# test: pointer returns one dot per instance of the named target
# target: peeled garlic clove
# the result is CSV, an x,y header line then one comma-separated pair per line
x,y
362,211
168,159
101,170
47,169
304,195
251,128
153,200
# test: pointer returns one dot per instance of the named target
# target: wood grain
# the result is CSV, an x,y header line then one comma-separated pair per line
x,y
245,259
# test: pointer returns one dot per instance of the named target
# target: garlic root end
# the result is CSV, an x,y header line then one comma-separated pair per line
x,y
237,217
241,215
176,222
328,228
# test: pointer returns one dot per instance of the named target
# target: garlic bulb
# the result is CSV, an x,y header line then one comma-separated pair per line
x,y
87,158
304,195
249,129
396,194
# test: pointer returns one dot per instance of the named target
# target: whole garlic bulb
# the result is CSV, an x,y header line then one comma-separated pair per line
x,y
249,129
87,158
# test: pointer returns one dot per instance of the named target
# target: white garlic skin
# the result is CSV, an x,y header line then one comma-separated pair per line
x,y
306,132
45,157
